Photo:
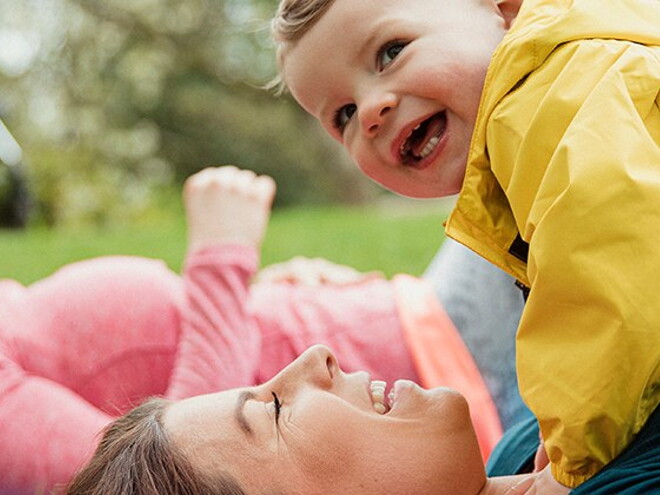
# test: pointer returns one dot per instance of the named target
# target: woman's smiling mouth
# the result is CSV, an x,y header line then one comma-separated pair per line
x,y
378,396
423,139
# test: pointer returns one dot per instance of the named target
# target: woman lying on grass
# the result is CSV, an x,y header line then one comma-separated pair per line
x,y
84,346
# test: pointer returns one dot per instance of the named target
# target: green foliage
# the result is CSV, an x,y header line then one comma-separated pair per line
x,y
75,186
399,239
392,240
120,97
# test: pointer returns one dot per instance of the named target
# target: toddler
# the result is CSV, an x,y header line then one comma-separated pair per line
x,y
543,116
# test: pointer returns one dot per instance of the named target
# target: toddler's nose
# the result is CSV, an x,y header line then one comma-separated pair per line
x,y
374,112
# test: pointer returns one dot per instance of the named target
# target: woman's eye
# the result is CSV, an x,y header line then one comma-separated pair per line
x,y
343,115
277,404
388,52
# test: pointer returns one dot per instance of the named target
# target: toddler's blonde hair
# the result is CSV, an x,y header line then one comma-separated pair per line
x,y
291,21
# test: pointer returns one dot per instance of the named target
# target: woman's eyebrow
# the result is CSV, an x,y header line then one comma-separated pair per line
x,y
239,413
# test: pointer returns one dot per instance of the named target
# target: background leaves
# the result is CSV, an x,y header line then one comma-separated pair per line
x,y
115,100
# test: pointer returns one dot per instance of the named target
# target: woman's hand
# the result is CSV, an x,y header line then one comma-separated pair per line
x,y
313,272
539,483
226,205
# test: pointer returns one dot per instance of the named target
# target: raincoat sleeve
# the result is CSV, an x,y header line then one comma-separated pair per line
x,y
589,341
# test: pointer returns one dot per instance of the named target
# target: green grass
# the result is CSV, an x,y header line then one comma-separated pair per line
x,y
399,238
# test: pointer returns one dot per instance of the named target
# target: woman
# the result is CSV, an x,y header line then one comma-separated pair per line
x,y
84,346
314,429
311,429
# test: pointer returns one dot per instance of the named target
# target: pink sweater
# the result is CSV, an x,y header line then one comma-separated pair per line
x,y
84,345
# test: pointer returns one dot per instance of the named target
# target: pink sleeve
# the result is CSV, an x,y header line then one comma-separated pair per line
x,y
220,343
49,446
72,348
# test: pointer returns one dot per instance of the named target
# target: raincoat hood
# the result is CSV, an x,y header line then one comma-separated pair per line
x,y
482,219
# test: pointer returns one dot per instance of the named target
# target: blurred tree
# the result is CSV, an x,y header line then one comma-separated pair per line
x,y
115,98
14,195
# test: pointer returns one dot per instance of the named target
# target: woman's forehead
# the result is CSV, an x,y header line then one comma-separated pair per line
x,y
226,421
201,415
226,432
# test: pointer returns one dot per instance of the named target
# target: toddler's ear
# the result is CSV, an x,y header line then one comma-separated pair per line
x,y
509,10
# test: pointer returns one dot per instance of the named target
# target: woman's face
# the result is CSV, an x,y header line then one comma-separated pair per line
x,y
323,435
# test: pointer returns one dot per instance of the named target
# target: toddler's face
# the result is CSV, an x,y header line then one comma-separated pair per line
x,y
398,82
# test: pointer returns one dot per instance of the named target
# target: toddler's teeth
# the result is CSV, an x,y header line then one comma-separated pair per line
x,y
380,408
430,146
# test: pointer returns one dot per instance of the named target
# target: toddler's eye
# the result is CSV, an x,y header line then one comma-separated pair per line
x,y
343,115
388,52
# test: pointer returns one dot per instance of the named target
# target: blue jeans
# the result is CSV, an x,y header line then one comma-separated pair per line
x,y
485,306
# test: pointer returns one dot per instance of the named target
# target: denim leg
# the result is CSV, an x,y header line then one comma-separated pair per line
x,y
485,306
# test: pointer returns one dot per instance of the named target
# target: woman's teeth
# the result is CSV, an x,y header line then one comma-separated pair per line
x,y
378,396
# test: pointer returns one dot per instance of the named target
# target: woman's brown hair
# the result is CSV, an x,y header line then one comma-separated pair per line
x,y
135,457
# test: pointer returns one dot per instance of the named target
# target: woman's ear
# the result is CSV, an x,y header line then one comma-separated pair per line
x,y
509,10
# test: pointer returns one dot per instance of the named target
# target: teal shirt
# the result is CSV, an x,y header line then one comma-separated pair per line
x,y
636,471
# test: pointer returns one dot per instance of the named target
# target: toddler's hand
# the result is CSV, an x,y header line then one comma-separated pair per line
x,y
226,205
541,458
545,484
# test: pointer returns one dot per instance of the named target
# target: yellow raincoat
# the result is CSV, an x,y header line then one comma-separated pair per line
x,y
566,155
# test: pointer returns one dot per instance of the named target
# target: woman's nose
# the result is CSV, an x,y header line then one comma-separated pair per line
x,y
374,112
317,366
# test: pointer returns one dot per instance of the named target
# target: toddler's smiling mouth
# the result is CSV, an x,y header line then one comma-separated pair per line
x,y
423,139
